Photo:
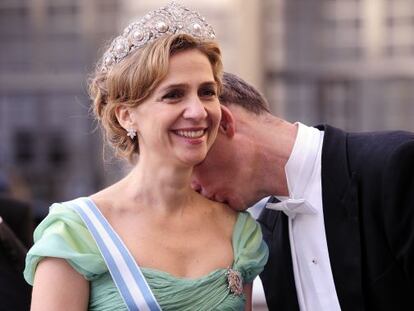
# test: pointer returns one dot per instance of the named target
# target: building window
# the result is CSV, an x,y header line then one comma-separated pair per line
x,y
399,107
342,25
63,19
24,142
14,20
399,27
337,103
56,153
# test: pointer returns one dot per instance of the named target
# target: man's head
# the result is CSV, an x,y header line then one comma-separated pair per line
x,y
231,171
237,92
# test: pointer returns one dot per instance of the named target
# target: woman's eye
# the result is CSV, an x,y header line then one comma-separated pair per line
x,y
174,94
208,92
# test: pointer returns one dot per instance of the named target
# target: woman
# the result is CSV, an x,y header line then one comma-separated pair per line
x,y
156,95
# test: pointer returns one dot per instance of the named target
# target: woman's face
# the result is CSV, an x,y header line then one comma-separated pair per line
x,y
179,121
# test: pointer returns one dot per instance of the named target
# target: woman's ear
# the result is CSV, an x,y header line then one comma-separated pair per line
x,y
123,116
227,123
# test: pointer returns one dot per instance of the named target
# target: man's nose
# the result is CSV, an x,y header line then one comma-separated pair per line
x,y
195,109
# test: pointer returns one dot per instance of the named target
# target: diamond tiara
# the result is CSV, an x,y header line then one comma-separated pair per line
x,y
170,19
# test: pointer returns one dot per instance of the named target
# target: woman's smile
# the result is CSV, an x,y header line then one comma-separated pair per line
x,y
191,133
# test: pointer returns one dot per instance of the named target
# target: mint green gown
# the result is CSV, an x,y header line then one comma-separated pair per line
x,y
63,234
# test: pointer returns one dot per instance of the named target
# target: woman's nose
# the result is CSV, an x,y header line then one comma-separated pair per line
x,y
195,109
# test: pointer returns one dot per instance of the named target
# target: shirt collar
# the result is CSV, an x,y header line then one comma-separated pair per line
x,y
301,164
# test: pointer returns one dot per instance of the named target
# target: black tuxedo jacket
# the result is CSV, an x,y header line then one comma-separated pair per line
x,y
368,204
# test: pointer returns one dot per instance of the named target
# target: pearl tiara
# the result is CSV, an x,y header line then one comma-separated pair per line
x,y
170,19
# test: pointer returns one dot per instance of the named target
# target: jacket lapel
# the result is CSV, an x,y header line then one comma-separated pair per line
x,y
341,215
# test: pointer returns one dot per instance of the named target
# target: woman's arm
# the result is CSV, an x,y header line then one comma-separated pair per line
x,y
247,290
57,286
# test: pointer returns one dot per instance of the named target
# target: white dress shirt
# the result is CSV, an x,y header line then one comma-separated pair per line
x,y
310,257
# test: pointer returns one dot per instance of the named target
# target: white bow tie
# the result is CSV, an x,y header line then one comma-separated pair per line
x,y
291,207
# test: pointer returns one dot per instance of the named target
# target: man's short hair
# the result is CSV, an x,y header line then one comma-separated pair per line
x,y
238,92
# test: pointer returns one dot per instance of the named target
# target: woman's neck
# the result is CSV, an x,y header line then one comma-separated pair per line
x,y
162,186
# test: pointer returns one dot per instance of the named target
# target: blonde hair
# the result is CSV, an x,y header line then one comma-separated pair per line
x,y
134,79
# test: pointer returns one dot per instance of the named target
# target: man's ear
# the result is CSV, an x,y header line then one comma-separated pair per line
x,y
227,123
123,116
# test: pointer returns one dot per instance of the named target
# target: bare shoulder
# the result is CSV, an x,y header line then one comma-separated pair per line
x,y
106,198
223,213
101,198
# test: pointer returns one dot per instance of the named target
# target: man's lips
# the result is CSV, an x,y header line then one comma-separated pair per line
x,y
216,197
220,199
210,196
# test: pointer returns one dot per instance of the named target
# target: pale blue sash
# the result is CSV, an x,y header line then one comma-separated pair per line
x,y
124,270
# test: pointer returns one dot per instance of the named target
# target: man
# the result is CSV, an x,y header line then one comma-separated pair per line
x,y
340,224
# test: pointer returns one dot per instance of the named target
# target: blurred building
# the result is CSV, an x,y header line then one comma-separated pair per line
x,y
344,62
349,63
47,139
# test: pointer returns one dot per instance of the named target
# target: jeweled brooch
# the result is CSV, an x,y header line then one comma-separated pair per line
x,y
235,281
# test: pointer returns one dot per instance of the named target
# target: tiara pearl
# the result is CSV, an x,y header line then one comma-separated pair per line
x,y
170,19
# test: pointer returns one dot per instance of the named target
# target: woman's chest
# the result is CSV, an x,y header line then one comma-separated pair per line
x,y
189,251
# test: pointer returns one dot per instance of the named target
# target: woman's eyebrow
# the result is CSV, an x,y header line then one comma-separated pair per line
x,y
173,86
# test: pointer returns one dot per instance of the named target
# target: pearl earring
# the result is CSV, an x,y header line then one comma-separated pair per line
x,y
131,133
